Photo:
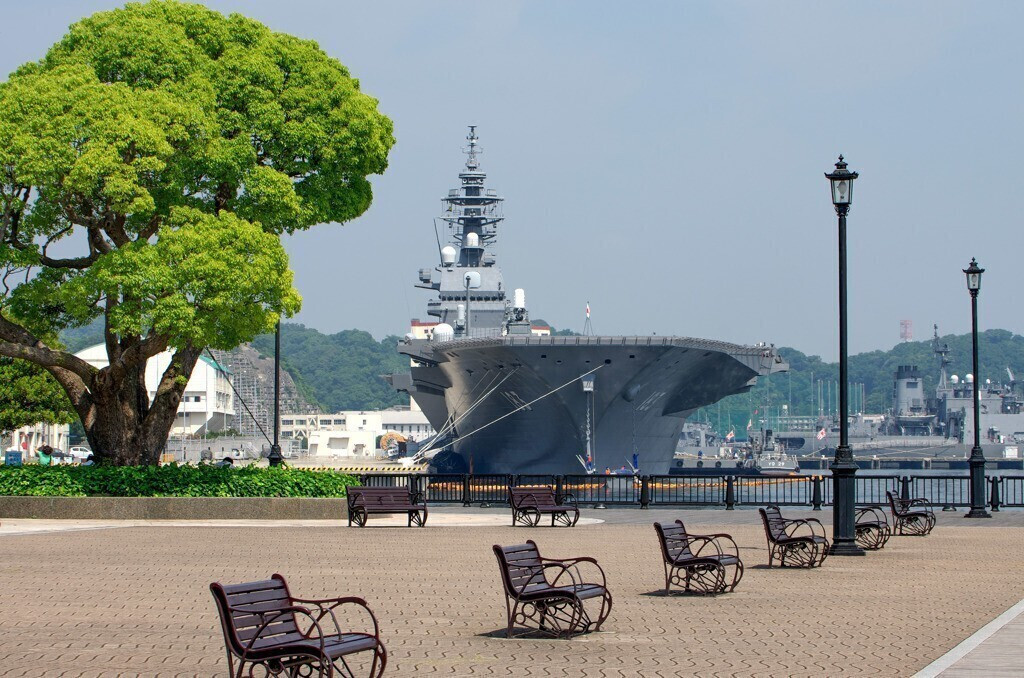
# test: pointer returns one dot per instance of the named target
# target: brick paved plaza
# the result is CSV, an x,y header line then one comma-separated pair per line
x,y
134,600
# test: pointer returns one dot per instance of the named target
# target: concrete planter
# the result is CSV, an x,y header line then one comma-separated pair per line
x,y
176,508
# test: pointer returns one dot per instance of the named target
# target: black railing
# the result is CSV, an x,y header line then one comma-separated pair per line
x,y
687,490
598,489
870,489
780,491
945,491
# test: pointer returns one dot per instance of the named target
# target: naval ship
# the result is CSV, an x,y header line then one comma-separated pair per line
x,y
505,397
937,429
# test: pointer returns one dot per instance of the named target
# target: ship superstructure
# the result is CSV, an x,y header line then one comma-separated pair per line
x,y
504,400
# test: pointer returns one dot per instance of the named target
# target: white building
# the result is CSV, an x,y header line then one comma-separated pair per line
x,y
208,402
353,433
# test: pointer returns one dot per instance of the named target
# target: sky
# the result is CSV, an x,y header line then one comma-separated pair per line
x,y
664,160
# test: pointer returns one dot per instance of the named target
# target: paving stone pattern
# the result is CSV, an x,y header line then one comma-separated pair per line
x,y
134,600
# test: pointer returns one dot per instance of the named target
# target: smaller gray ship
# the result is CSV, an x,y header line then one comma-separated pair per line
x,y
917,427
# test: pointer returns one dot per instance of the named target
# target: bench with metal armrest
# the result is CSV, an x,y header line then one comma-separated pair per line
x,y
548,594
706,564
798,542
263,626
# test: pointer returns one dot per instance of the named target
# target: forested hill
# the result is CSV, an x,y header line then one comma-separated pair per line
x,y
338,371
998,349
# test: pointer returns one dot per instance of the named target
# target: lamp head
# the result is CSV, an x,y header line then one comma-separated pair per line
x,y
973,273
841,181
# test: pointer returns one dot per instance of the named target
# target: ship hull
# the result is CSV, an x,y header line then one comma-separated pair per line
x,y
517,405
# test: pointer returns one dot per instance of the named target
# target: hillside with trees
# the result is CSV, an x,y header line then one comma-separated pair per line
x,y
338,371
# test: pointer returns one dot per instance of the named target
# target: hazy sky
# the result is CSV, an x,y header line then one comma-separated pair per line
x,y
665,160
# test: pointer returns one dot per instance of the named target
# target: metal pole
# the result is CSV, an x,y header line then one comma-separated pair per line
x,y
467,304
977,461
275,450
843,468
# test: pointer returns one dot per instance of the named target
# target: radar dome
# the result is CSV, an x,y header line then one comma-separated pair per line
x,y
472,240
969,378
444,332
519,298
955,379
448,255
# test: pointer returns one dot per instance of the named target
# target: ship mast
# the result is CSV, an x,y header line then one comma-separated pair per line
x,y
471,291
943,353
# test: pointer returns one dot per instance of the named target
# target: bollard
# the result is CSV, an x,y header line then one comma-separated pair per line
x,y
905,488
730,493
413,482
645,492
995,492
465,489
559,488
816,494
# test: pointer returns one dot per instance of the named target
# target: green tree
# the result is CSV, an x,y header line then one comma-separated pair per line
x,y
29,395
148,164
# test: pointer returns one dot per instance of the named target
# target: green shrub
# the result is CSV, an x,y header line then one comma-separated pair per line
x,y
170,481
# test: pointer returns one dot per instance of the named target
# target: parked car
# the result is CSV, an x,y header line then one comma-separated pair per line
x,y
80,453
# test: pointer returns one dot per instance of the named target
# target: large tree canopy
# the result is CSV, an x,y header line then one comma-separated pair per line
x,y
148,164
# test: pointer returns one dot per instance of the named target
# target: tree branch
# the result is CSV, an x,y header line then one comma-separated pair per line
x,y
42,355
144,350
151,228
168,396
78,393
109,338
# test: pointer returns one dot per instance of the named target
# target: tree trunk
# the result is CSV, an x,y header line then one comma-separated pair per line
x,y
115,428
122,425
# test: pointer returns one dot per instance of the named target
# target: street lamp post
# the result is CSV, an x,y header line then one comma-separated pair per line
x,y
844,542
977,461
274,458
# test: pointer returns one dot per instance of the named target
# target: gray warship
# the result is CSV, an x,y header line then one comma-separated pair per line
x,y
935,429
505,397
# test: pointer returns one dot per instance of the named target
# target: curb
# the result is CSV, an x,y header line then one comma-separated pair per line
x,y
175,508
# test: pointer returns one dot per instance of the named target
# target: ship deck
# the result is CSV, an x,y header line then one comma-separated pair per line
x,y
603,341
116,601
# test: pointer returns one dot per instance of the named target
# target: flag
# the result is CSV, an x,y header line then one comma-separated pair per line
x,y
730,435
822,433
588,309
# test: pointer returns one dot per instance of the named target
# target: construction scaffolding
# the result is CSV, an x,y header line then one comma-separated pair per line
x,y
253,378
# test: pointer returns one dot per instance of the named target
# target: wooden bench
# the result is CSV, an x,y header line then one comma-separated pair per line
x,y
553,605
263,626
530,503
913,517
798,542
705,564
871,528
362,501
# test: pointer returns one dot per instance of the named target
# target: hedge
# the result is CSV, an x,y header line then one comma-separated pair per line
x,y
170,481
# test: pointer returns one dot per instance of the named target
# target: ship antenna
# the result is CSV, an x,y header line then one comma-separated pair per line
x,y
943,353
472,150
